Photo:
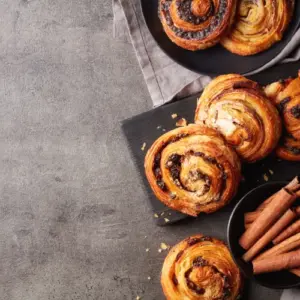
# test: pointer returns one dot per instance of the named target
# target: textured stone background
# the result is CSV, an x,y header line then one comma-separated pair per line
x,y
73,219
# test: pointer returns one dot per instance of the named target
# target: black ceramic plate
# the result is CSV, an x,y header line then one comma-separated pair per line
x,y
276,280
147,127
215,60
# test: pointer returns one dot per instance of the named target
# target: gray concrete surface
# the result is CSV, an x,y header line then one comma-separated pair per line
x,y
73,220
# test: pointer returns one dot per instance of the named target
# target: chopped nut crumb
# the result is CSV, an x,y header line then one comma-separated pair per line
x,y
173,195
147,250
143,147
174,116
145,236
158,127
166,220
271,172
155,215
164,246
162,213
164,129
159,250
181,122
138,298
266,178
149,278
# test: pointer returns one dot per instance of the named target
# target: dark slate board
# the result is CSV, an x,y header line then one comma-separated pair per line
x,y
147,127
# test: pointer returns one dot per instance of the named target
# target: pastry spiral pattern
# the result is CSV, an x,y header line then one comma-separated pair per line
x,y
258,25
192,169
200,268
286,96
240,111
196,24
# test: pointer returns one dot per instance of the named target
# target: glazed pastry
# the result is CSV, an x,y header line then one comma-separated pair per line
x,y
286,96
192,169
201,268
238,108
258,25
195,24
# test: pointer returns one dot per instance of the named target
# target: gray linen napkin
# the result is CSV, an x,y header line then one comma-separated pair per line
x,y
157,67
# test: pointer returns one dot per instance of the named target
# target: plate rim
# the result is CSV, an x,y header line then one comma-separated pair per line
x,y
297,26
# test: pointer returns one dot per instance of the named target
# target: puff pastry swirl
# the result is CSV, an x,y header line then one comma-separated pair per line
x,y
192,169
238,108
200,268
258,25
196,24
286,96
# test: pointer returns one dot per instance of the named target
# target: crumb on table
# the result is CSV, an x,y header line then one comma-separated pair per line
x,y
143,146
174,116
181,122
266,178
164,246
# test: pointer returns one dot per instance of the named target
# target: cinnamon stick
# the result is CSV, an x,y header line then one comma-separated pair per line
x,y
285,261
287,245
295,271
297,209
292,186
247,225
291,230
281,202
251,216
284,221
262,206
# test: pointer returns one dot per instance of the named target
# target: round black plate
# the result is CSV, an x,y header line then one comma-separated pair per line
x,y
276,280
215,60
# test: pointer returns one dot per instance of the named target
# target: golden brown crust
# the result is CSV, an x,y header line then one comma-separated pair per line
x,y
286,96
196,24
192,169
258,25
200,268
240,111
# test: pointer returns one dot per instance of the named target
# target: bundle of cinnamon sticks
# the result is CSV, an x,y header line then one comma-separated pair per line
x,y
275,221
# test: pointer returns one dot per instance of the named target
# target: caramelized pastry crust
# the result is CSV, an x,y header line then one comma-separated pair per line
x,y
258,25
201,268
240,111
286,96
196,24
192,169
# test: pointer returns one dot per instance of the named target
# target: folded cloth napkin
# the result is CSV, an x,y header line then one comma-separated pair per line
x,y
158,68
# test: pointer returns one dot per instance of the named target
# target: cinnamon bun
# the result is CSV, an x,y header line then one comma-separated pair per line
x,y
258,25
200,267
240,111
286,96
196,24
192,169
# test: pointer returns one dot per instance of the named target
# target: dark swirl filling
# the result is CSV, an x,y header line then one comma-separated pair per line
x,y
296,111
173,164
185,13
294,150
184,10
282,104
